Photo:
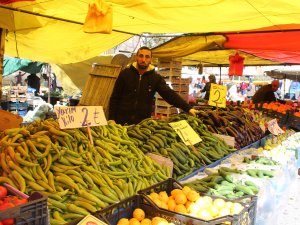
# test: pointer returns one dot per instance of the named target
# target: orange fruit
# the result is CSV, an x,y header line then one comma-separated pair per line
x,y
134,221
163,196
171,197
146,221
180,198
157,202
139,214
159,221
163,205
171,204
187,204
186,189
192,195
154,195
123,221
180,208
175,191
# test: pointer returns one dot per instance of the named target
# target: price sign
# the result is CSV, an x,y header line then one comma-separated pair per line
x,y
217,95
185,132
274,128
80,116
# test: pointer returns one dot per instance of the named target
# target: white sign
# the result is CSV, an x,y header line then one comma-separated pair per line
x,y
186,132
80,116
274,128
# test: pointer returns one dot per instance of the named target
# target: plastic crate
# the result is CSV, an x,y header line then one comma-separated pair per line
x,y
124,209
246,217
293,122
34,212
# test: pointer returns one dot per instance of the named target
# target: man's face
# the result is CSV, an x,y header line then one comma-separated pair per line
x,y
275,86
143,59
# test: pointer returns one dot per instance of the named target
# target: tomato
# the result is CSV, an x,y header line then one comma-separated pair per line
x,y
6,205
9,221
20,201
3,192
1,223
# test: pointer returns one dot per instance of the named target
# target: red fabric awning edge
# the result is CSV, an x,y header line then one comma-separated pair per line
x,y
276,46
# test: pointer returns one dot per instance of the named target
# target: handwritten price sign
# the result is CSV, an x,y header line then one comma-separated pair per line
x,y
80,116
217,95
185,132
274,128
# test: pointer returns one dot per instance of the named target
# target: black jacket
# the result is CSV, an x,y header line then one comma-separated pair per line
x,y
264,94
133,95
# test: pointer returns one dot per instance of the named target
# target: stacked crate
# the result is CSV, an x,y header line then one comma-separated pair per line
x,y
15,98
170,69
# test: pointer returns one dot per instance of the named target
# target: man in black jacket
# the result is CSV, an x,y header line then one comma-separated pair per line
x,y
267,94
134,90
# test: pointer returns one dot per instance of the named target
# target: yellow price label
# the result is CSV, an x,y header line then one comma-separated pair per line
x,y
217,95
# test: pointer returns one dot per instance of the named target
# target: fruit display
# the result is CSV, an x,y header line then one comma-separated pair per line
x,y
186,201
139,218
232,121
77,177
158,137
8,201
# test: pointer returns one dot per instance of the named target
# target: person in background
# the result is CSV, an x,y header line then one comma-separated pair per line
x,y
266,93
250,89
134,90
33,81
206,89
243,87
19,78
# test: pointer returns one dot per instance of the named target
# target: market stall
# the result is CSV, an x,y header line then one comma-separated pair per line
x,y
58,173
80,178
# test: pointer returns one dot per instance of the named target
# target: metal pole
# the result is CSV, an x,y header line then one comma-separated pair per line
x,y
49,82
284,87
220,74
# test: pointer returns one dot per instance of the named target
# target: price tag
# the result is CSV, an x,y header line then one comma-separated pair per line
x,y
274,128
80,116
91,220
217,95
185,132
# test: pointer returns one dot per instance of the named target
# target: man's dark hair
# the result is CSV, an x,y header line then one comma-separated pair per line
x,y
144,48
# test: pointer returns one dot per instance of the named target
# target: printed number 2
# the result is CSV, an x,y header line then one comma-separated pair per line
x,y
84,123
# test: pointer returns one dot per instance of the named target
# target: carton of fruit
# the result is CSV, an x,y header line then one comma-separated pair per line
x,y
19,209
171,196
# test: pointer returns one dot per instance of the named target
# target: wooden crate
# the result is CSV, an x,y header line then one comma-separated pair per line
x,y
170,63
166,109
99,85
170,72
180,87
161,102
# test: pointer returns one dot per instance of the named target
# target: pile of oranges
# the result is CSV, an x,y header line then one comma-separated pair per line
x,y
138,218
189,202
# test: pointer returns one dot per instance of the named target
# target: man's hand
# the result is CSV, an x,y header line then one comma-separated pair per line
x,y
193,112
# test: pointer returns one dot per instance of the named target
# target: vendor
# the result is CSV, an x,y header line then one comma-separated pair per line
x,y
266,93
33,81
134,90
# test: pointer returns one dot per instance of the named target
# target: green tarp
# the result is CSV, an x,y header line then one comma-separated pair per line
x,y
11,65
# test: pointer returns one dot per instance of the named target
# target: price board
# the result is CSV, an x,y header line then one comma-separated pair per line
x,y
185,132
274,128
217,95
80,116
